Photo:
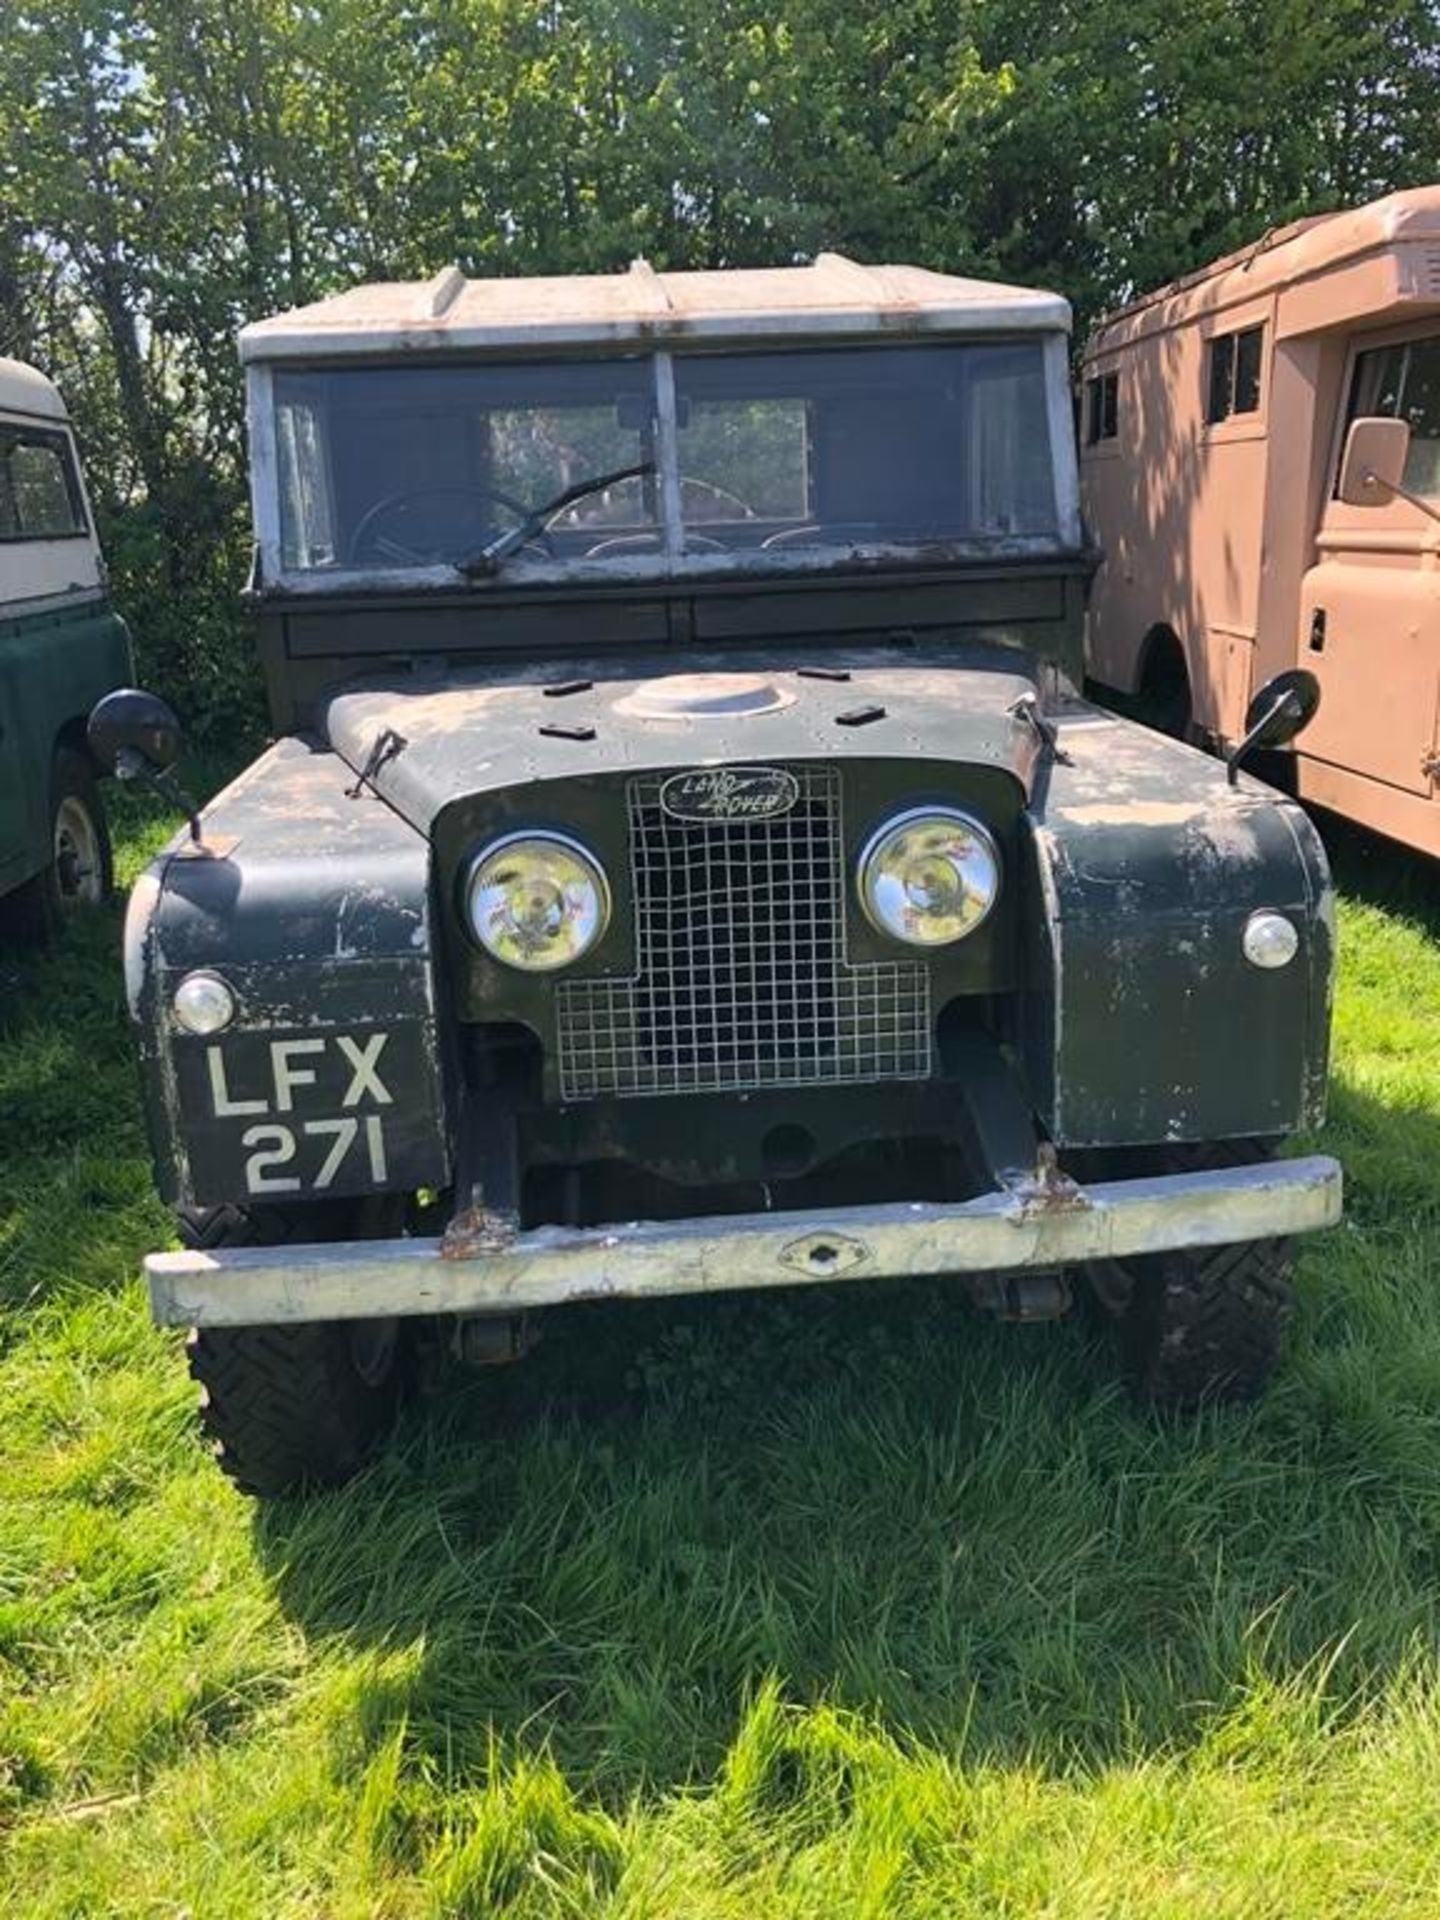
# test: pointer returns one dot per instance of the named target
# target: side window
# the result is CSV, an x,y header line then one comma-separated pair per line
x,y
1403,383
307,511
1102,408
1234,376
1012,483
39,487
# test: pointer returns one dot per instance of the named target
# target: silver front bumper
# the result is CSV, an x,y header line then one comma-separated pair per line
x,y
1040,1226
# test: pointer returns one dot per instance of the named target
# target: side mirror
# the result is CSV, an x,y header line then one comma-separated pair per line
x,y
133,733
136,736
1282,708
1373,464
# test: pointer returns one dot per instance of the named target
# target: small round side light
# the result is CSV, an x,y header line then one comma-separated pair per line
x,y
1270,939
203,1003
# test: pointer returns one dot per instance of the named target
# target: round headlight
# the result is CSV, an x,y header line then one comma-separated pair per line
x,y
536,901
203,1003
1270,939
929,877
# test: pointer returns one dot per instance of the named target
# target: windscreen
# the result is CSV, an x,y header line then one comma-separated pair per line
x,y
401,467
1402,382
850,447
864,446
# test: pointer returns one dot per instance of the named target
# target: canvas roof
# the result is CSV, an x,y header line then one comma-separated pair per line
x,y
834,296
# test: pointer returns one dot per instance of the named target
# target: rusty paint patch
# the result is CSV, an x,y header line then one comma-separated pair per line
x,y
476,1231
1048,1190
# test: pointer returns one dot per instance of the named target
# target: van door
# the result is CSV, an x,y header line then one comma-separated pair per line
x,y
1370,606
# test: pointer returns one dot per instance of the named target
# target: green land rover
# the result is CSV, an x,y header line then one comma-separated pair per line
x,y
61,647
686,862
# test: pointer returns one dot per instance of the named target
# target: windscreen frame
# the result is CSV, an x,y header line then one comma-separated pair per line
x,y
670,556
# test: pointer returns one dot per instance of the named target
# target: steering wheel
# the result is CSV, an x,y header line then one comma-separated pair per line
x,y
814,534
648,542
722,495
571,519
405,553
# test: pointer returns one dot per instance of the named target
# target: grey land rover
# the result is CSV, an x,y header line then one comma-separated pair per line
x,y
685,862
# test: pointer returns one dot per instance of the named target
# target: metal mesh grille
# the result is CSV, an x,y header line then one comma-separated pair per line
x,y
742,979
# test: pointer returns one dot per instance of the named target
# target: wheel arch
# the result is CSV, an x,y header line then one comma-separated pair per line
x,y
71,737
1159,654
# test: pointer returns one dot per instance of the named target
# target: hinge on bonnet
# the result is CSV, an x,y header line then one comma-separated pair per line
x,y
1026,709
387,745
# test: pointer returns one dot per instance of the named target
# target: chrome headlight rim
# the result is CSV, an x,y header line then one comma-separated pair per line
x,y
551,838
907,820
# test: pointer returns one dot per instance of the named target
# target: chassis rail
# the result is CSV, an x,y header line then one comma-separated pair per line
x,y
501,1270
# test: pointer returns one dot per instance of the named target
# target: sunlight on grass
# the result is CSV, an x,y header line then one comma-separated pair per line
x,y
820,1604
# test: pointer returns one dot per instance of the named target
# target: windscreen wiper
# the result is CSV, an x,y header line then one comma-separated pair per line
x,y
493,555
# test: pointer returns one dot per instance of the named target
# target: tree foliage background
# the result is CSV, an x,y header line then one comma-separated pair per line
x,y
171,168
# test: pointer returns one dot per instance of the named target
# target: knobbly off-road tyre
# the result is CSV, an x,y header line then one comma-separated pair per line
x,y
1207,1324
1204,1325
80,873
289,1408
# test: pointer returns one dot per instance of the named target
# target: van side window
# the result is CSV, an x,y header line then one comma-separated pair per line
x,y
40,495
1403,383
1234,383
1102,408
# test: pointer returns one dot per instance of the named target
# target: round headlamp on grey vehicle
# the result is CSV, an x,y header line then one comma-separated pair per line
x,y
536,901
929,876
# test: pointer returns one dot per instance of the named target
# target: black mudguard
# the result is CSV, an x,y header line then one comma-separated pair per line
x,y
310,897
1142,1020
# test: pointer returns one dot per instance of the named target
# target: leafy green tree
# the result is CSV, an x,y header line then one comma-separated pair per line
x,y
168,172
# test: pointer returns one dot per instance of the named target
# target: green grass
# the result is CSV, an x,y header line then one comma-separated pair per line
x,y
840,1603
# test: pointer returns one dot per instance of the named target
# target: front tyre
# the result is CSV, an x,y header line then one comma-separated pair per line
x,y
290,1407
1206,1323
79,871
1200,1325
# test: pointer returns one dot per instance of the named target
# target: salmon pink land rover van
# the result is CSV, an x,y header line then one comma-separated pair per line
x,y
1261,467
